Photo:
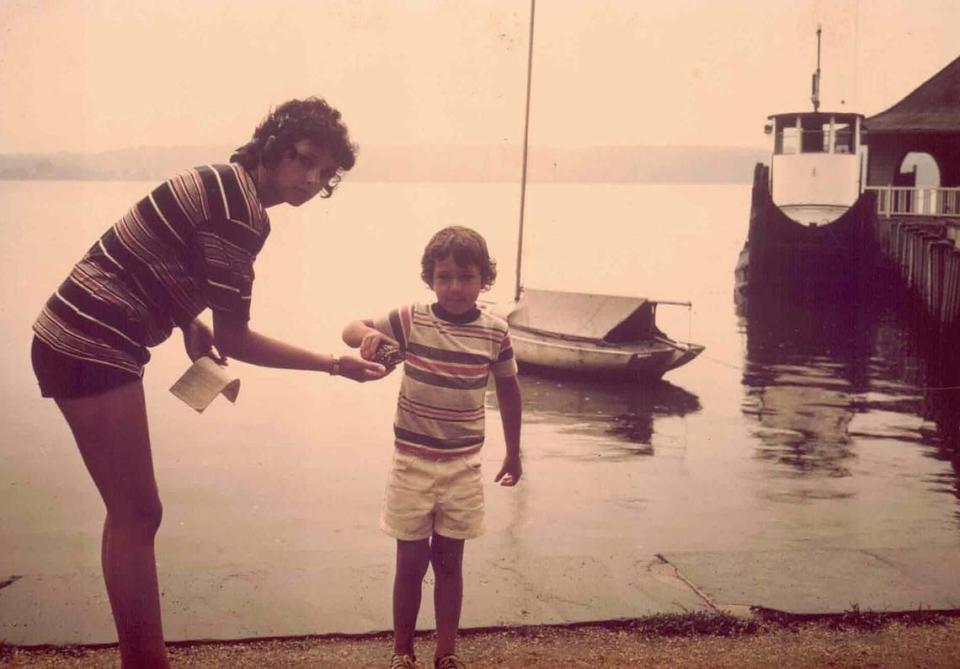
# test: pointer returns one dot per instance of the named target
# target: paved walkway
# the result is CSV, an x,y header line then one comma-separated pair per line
x,y
231,603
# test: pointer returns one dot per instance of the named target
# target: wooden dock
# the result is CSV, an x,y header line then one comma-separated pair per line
x,y
918,231
924,251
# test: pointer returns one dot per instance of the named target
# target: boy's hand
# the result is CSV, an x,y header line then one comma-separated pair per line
x,y
510,472
371,342
361,370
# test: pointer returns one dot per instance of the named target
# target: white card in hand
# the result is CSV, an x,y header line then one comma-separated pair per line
x,y
203,381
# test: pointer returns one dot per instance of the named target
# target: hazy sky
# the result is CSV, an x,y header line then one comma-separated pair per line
x,y
91,75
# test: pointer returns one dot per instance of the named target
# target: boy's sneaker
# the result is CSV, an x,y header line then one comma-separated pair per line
x,y
403,662
448,662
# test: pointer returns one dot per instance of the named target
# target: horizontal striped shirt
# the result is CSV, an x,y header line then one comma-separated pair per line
x,y
188,245
440,411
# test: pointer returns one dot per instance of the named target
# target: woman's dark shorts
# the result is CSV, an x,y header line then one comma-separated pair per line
x,y
63,376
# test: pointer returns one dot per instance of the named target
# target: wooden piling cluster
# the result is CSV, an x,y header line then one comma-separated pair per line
x,y
926,256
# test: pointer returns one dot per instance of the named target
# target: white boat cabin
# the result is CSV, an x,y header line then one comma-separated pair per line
x,y
816,170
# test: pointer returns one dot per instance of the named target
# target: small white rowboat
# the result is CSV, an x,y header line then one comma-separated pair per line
x,y
592,335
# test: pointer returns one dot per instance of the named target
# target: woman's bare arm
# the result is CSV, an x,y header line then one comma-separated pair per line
x,y
235,339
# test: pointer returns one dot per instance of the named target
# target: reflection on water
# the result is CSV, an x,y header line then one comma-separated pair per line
x,y
818,377
805,371
624,411
913,351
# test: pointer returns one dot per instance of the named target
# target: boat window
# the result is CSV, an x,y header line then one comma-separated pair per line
x,y
814,138
787,140
844,139
813,134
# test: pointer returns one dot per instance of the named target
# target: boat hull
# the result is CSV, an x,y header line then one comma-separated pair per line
x,y
635,360
783,258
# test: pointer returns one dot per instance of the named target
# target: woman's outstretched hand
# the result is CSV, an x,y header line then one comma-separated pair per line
x,y
199,342
361,370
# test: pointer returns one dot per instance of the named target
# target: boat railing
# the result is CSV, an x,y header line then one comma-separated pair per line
x,y
917,201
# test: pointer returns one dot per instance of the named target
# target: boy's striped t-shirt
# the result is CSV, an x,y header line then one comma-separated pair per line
x,y
440,410
188,245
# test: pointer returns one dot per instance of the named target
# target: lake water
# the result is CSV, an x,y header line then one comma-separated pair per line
x,y
805,428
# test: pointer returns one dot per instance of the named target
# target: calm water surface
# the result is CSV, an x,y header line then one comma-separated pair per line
x,y
800,427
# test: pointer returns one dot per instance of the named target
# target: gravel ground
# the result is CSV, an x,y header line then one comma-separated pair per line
x,y
934,643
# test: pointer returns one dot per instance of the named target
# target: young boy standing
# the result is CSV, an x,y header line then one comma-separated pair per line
x,y
434,496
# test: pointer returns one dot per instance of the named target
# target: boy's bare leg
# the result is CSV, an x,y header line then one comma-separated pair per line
x,y
111,432
413,558
447,558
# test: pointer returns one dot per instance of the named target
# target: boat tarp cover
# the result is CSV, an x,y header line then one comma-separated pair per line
x,y
607,317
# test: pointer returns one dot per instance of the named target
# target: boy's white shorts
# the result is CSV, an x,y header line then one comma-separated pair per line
x,y
424,496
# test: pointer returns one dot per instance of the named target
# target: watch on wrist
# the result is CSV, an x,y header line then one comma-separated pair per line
x,y
334,366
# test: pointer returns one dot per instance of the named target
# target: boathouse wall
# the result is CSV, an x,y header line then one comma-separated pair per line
x,y
887,151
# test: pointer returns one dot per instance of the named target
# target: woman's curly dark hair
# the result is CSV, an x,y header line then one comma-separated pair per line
x,y
291,122
468,248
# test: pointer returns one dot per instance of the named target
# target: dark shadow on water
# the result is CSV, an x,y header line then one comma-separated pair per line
x,y
812,367
806,365
622,413
922,354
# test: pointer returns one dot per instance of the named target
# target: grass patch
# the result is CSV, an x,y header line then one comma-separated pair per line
x,y
854,619
708,623
659,625
695,624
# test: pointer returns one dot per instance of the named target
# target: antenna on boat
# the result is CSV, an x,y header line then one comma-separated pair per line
x,y
815,94
526,128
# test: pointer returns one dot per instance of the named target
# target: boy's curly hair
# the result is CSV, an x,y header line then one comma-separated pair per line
x,y
468,248
291,122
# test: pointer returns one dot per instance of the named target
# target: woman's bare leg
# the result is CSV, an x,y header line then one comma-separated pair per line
x,y
447,558
413,558
111,432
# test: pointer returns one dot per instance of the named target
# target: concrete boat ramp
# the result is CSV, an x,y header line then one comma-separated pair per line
x,y
230,602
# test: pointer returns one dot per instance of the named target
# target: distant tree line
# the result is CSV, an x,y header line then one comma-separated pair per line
x,y
643,164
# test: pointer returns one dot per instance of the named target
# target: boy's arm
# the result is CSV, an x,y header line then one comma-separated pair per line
x,y
511,411
362,334
354,332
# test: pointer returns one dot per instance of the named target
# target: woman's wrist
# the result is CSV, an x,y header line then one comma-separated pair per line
x,y
334,369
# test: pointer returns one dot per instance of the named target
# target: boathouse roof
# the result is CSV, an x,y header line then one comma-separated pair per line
x,y
933,107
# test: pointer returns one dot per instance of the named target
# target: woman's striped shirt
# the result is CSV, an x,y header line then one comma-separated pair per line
x,y
440,411
188,245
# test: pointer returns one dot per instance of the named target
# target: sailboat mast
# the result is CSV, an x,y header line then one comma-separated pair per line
x,y
526,131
